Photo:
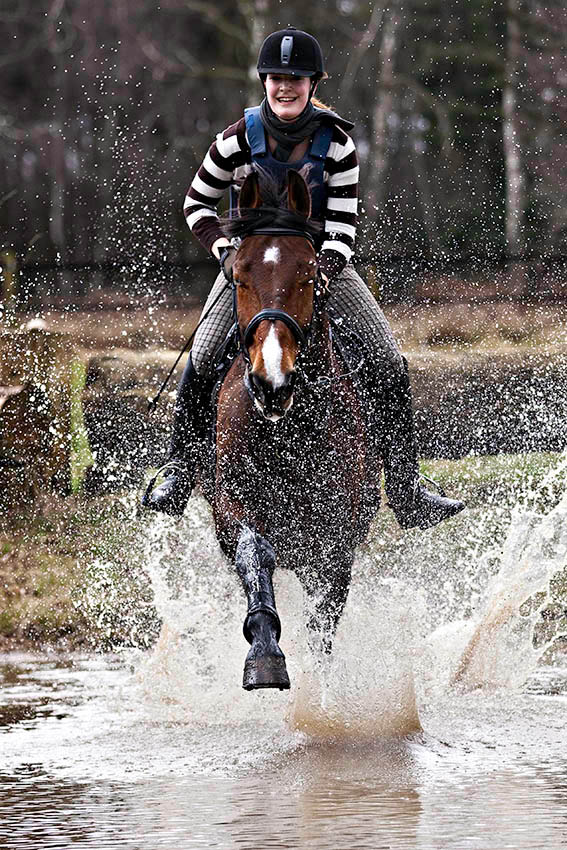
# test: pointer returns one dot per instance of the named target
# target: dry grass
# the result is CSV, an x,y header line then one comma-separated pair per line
x,y
69,576
470,327
502,326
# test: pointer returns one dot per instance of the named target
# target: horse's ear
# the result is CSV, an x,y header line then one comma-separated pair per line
x,y
249,197
298,197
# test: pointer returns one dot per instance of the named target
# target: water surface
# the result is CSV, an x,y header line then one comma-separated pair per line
x,y
439,722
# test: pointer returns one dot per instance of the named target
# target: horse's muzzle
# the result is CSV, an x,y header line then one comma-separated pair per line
x,y
272,402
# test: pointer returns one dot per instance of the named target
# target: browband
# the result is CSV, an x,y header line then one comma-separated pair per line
x,y
281,231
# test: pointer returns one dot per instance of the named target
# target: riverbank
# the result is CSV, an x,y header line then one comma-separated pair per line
x,y
73,576
165,323
487,378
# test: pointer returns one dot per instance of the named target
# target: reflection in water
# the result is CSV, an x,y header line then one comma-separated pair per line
x,y
96,771
416,734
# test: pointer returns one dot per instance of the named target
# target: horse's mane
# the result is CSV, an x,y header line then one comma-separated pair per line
x,y
273,212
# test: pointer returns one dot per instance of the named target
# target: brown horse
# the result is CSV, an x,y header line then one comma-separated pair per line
x,y
295,482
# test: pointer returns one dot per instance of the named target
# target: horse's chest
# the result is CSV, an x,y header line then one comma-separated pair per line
x,y
296,470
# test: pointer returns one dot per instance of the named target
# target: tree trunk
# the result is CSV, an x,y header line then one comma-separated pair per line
x,y
418,157
255,11
515,179
384,107
57,130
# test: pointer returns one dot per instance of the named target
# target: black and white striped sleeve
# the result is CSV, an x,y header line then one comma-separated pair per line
x,y
342,169
230,151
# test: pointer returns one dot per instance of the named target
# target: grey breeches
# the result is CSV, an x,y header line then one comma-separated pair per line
x,y
349,298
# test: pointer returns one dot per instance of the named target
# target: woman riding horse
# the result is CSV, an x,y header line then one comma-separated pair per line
x,y
291,130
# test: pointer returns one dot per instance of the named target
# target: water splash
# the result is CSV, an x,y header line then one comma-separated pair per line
x,y
367,688
501,644
400,644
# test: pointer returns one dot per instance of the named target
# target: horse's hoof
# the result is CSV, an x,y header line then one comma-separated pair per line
x,y
265,671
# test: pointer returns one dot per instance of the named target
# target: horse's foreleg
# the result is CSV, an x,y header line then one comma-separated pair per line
x,y
327,595
265,662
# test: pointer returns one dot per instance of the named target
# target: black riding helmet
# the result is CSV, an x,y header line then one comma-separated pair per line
x,y
291,51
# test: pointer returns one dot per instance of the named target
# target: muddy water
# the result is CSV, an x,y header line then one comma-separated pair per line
x,y
86,764
437,724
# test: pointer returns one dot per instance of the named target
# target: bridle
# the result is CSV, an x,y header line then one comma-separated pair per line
x,y
302,337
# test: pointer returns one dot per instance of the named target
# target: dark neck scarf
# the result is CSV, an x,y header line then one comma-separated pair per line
x,y
288,134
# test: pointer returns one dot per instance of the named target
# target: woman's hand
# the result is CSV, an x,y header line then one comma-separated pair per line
x,y
225,253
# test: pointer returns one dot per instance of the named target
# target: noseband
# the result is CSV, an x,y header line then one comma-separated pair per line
x,y
302,337
274,315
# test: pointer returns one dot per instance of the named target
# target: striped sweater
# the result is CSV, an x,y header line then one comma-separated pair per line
x,y
229,160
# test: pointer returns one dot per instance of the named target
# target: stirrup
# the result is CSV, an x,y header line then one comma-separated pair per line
x,y
170,465
437,486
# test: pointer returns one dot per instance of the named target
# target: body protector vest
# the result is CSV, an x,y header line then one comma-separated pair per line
x,y
314,157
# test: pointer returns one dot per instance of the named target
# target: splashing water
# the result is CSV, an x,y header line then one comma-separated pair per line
x,y
425,640
498,648
391,652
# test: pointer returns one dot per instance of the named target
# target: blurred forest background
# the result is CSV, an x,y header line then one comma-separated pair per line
x,y
107,109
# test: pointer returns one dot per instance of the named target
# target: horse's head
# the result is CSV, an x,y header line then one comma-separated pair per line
x,y
275,276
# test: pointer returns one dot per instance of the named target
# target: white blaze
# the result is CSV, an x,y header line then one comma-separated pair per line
x,y
272,354
272,254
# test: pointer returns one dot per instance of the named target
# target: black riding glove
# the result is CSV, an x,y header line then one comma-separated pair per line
x,y
226,261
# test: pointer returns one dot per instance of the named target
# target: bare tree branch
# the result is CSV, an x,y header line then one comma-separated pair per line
x,y
155,55
19,55
197,70
436,106
216,17
5,198
365,43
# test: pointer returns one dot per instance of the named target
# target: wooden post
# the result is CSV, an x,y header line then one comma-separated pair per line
x,y
36,380
8,284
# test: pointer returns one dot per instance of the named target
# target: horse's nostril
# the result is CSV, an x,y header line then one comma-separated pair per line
x,y
287,390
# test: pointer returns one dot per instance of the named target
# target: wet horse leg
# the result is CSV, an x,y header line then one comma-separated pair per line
x,y
328,592
265,662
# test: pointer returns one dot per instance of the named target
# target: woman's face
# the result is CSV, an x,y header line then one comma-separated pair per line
x,y
287,95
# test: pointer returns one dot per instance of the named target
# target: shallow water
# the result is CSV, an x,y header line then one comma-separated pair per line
x,y
434,725
85,763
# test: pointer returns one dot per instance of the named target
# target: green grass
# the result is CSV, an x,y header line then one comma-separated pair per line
x,y
74,575
473,478
81,456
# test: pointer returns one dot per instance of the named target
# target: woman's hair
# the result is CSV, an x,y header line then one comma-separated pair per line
x,y
316,102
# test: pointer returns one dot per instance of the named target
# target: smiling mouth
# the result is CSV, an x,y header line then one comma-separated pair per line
x,y
286,99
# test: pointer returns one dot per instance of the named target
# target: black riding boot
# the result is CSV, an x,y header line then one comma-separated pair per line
x,y
412,504
190,424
